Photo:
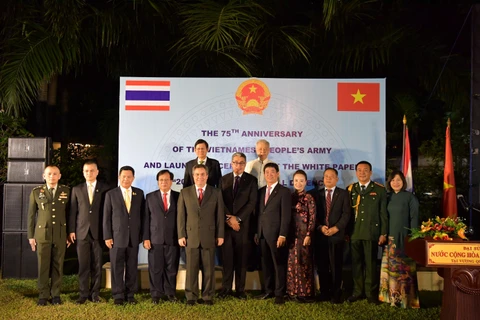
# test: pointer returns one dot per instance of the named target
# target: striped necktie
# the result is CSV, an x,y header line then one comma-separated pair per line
x,y
328,204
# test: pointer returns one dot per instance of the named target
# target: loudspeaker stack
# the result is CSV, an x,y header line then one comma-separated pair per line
x,y
27,158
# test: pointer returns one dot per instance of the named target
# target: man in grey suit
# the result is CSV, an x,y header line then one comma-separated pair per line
x,y
274,210
200,223
85,226
122,221
239,190
160,238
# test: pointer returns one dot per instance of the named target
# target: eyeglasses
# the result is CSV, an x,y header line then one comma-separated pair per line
x,y
239,163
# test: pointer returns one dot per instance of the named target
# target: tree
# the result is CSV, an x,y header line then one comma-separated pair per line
x,y
41,39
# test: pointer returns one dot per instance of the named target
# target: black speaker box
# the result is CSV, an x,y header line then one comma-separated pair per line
x,y
25,171
18,259
15,206
30,148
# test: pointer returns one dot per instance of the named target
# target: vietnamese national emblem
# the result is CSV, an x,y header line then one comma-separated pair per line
x,y
252,96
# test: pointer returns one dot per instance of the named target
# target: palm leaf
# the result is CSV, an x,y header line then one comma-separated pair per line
x,y
31,57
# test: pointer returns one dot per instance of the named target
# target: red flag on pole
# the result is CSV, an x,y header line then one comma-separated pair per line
x,y
449,190
406,157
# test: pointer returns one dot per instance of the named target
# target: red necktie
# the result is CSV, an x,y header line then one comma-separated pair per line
x,y
329,204
200,196
267,195
165,203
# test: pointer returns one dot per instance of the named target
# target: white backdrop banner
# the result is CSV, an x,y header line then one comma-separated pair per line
x,y
311,124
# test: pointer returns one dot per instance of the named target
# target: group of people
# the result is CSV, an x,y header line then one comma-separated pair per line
x,y
297,232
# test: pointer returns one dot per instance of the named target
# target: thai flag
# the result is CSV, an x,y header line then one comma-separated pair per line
x,y
147,95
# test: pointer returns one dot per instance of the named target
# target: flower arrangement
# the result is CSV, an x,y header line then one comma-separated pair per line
x,y
440,229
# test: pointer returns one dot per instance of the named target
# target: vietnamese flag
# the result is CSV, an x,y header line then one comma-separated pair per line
x,y
358,96
406,157
449,190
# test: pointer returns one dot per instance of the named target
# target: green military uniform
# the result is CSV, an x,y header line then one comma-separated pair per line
x,y
50,234
370,222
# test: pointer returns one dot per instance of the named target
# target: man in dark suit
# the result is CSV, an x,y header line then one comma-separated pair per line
x,y
239,190
160,238
274,209
214,171
201,224
122,221
370,227
85,226
333,215
47,233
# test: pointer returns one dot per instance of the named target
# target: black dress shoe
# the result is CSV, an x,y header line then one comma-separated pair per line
x,y
131,300
81,300
190,302
373,301
336,300
337,297
224,293
155,300
118,302
279,300
96,299
163,298
265,296
172,298
355,298
208,302
42,302
241,295
56,301
305,299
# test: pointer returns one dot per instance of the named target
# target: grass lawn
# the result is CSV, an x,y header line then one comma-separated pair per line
x,y
18,300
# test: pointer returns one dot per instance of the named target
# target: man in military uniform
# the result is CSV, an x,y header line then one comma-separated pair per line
x,y
47,234
370,224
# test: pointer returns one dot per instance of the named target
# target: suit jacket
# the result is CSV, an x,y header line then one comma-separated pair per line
x,y
85,216
369,214
50,213
274,217
200,224
243,204
123,227
339,213
214,172
160,227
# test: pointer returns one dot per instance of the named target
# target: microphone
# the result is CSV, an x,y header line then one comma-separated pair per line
x,y
464,203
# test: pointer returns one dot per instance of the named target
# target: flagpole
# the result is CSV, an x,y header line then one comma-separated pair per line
x,y
403,145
